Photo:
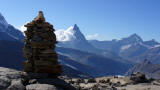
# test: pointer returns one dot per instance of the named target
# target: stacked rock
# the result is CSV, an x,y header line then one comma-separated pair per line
x,y
39,48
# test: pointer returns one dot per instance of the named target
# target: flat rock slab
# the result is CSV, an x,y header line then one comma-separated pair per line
x,y
41,87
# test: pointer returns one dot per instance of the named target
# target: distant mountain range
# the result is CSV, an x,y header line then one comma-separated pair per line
x,y
81,57
132,48
74,39
76,47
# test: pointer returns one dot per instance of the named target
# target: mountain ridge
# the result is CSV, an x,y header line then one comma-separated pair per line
x,y
9,30
146,67
127,48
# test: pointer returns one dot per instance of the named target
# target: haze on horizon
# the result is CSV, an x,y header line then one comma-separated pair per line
x,y
103,19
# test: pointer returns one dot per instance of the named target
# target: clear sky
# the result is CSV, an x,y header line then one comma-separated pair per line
x,y
104,19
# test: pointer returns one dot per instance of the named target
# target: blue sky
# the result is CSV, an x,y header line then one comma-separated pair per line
x,y
103,19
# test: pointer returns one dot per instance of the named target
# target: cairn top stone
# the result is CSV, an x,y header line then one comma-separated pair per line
x,y
40,17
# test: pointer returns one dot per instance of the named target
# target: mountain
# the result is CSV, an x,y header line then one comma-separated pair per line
x,y
11,54
126,48
76,69
103,65
73,38
146,67
8,32
151,43
152,54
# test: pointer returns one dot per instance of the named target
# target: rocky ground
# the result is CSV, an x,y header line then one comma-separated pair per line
x,y
16,80
116,83
136,81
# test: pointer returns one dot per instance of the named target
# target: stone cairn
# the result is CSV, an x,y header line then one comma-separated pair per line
x,y
39,48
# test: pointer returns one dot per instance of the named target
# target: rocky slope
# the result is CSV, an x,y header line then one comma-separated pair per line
x,y
100,64
17,80
153,54
149,69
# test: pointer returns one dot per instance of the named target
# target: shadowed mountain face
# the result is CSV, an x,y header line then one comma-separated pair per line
x,y
146,67
11,54
153,54
81,70
10,45
104,65
8,32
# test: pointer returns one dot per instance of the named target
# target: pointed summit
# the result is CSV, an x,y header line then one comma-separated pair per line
x,y
75,27
146,61
73,33
3,21
40,17
135,37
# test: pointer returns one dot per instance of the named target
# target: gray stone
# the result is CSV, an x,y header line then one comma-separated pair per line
x,y
4,82
41,87
7,76
92,80
16,85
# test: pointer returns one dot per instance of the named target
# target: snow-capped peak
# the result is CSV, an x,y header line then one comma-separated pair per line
x,y
136,37
70,34
73,29
133,39
3,21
